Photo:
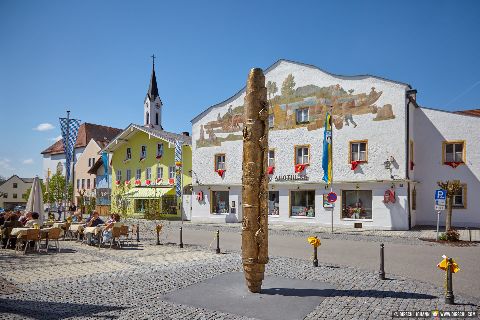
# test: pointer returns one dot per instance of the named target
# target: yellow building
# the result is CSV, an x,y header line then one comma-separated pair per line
x,y
151,167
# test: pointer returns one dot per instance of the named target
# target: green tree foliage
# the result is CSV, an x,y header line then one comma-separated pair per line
x,y
56,189
120,200
288,86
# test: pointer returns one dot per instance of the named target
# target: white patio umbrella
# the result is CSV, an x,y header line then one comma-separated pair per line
x,y
35,200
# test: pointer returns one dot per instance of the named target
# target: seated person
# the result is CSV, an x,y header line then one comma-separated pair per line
x,y
77,217
23,219
93,221
107,232
11,222
33,219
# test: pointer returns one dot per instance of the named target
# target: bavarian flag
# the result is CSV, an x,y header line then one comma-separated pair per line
x,y
327,150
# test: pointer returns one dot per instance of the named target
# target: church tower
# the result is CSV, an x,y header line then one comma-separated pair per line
x,y
152,114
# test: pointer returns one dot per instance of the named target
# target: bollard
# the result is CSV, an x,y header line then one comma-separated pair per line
x,y
181,237
469,234
158,237
449,297
138,233
381,273
218,242
315,258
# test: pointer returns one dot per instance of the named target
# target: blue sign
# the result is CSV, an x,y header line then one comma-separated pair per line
x,y
440,194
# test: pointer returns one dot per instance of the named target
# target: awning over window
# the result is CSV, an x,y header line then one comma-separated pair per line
x,y
149,193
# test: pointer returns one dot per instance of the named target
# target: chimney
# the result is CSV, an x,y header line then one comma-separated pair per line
x,y
186,133
412,94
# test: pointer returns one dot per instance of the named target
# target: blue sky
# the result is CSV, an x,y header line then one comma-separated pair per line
x,y
93,57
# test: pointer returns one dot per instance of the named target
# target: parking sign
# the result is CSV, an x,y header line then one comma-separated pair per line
x,y
440,199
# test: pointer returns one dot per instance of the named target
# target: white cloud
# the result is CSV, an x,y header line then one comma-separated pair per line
x,y
44,127
55,139
27,161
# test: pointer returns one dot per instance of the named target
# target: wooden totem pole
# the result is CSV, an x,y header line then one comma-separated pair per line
x,y
255,181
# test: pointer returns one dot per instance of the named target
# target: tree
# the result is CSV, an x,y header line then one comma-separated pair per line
x,y
56,189
288,85
120,199
271,88
452,188
2,179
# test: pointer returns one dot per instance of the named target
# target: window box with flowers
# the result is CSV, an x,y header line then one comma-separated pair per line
x,y
301,158
453,153
219,164
358,153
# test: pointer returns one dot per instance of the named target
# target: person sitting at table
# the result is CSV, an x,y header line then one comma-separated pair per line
x,y
2,218
32,220
107,232
93,221
77,217
11,222
23,219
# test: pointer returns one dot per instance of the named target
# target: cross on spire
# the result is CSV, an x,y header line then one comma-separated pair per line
x,y
153,59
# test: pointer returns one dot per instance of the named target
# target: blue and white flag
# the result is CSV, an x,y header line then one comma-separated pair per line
x,y
69,126
178,165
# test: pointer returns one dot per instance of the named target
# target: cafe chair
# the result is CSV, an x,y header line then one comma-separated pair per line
x,y
32,235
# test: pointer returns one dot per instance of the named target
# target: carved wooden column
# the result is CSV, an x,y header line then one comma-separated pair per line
x,y
255,181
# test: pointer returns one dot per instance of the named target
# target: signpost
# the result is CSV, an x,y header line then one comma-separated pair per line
x,y
440,200
331,198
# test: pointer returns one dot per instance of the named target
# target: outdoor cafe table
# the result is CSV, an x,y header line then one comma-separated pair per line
x,y
23,231
59,224
75,227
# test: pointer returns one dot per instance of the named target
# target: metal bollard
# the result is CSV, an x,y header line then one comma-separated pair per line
x,y
381,273
449,297
469,234
218,242
138,233
181,237
158,237
315,258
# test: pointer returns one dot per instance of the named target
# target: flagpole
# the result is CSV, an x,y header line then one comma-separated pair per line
x,y
331,145
66,155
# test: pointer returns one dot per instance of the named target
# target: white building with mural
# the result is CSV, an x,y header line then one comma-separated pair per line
x,y
388,153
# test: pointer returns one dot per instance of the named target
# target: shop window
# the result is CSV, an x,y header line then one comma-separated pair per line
x,y
302,155
88,183
138,174
302,203
159,150
148,173
356,204
15,185
453,152
141,205
219,202
14,196
302,115
358,151
460,198
273,203
143,152
271,120
129,174
219,162
271,158
171,172
129,154
159,172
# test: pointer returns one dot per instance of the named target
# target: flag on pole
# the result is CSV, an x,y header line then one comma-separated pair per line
x,y
105,164
178,169
327,150
71,126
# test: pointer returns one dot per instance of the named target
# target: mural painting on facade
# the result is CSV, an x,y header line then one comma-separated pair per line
x,y
286,110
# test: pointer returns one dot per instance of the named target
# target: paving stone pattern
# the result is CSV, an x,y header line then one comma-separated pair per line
x,y
83,282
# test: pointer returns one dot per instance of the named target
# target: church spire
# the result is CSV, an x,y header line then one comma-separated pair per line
x,y
153,89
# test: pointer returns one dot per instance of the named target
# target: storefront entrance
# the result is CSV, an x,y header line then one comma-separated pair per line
x,y
273,203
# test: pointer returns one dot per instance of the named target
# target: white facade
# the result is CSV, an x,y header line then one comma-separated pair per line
x,y
51,161
367,110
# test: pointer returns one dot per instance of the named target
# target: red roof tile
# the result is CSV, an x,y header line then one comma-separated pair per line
x,y
473,112
86,132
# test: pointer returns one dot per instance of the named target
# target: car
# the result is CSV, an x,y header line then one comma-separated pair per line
x,y
19,208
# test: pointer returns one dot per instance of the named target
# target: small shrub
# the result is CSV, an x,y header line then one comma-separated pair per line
x,y
452,235
443,236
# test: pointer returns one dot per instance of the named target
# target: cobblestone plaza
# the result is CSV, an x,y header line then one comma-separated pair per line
x,y
83,282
